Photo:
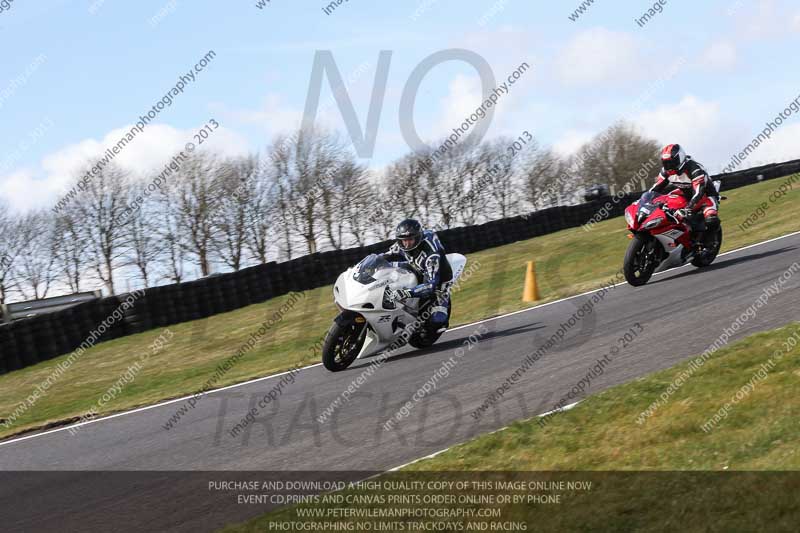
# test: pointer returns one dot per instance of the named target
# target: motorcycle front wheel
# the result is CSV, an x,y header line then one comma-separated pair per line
x,y
342,344
639,264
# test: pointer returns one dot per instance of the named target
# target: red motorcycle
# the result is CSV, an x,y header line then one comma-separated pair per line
x,y
658,236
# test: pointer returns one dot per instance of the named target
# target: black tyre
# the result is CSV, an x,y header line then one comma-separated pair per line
x,y
640,261
713,245
341,345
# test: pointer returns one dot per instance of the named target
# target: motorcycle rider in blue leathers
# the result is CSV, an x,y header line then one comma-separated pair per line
x,y
422,251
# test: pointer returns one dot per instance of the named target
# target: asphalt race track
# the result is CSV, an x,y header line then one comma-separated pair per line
x,y
681,312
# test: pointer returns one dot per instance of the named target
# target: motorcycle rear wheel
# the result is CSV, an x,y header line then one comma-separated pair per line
x,y
710,255
341,345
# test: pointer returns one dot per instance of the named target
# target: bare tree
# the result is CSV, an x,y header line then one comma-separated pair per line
x,y
261,212
36,271
302,166
616,156
11,246
407,191
308,193
358,198
496,192
101,209
235,182
453,175
345,201
70,251
170,231
546,177
377,216
144,245
279,157
197,196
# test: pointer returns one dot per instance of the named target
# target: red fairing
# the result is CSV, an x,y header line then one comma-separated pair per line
x,y
669,227
631,210
675,200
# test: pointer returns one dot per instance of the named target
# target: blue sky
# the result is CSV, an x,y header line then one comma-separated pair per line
x,y
101,64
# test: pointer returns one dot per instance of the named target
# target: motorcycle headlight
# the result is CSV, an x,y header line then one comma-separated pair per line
x,y
654,223
629,218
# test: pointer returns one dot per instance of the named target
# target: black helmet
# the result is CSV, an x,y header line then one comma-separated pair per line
x,y
408,229
673,158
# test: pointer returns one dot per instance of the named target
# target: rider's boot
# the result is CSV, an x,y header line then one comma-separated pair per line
x,y
440,317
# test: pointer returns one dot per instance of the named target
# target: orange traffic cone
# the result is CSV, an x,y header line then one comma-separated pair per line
x,y
531,291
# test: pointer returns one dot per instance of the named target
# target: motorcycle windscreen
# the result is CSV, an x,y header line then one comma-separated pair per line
x,y
366,269
647,198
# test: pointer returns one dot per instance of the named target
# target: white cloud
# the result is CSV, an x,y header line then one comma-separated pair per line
x,y
571,141
16,189
699,125
600,56
463,97
720,55
782,146
691,122
150,150
767,19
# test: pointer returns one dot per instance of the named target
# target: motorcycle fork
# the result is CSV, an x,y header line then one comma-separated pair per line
x,y
649,249
653,255
363,332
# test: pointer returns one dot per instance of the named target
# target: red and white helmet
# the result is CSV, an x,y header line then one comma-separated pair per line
x,y
673,158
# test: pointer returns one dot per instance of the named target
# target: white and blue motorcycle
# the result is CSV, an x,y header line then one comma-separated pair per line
x,y
372,318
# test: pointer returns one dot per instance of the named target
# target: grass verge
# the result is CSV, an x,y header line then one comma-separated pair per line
x,y
568,262
754,382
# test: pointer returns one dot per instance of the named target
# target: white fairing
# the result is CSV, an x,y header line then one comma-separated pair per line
x,y
674,250
385,324
457,264
673,259
668,238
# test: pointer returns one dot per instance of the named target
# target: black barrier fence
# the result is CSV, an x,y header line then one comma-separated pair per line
x,y
29,341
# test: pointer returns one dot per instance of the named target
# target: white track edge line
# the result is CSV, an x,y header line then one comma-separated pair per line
x,y
434,454
528,309
148,407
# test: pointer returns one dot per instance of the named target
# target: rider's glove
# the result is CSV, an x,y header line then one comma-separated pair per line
x,y
684,213
402,294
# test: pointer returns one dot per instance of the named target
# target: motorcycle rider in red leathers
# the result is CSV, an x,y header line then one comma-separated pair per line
x,y
691,178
